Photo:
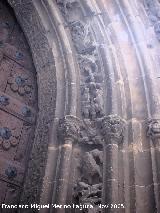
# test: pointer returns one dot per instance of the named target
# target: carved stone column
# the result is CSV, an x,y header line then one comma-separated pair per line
x,y
68,131
113,130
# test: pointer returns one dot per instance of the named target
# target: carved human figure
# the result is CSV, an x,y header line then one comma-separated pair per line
x,y
81,37
88,64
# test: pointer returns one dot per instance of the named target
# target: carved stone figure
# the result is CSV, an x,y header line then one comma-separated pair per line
x,y
153,130
69,127
113,128
85,94
91,166
88,65
153,10
89,133
81,37
65,5
88,194
86,109
157,29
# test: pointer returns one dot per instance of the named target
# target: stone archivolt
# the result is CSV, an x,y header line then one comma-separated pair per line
x,y
95,127
91,76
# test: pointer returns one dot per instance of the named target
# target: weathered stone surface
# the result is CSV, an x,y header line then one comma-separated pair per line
x,y
113,129
153,129
145,199
69,128
143,168
106,56
111,162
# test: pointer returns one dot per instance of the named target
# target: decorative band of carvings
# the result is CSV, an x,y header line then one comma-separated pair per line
x,y
91,79
153,130
111,127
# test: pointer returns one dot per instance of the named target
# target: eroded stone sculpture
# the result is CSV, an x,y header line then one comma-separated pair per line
x,y
69,127
153,10
113,128
153,129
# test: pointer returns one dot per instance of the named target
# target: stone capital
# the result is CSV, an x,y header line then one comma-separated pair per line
x,y
153,130
113,128
69,128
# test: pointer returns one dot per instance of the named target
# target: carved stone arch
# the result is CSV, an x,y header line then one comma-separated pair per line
x,y
57,91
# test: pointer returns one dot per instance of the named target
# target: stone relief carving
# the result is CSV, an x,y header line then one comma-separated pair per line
x,y
113,127
69,127
82,38
91,76
153,10
64,5
91,88
89,194
153,129
88,189
91,166
89,133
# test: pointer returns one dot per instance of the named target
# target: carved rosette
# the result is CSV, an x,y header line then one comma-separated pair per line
x,y
113,128
69,128
153,130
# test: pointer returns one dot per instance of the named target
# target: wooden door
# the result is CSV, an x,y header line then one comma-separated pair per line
x,y
18,106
